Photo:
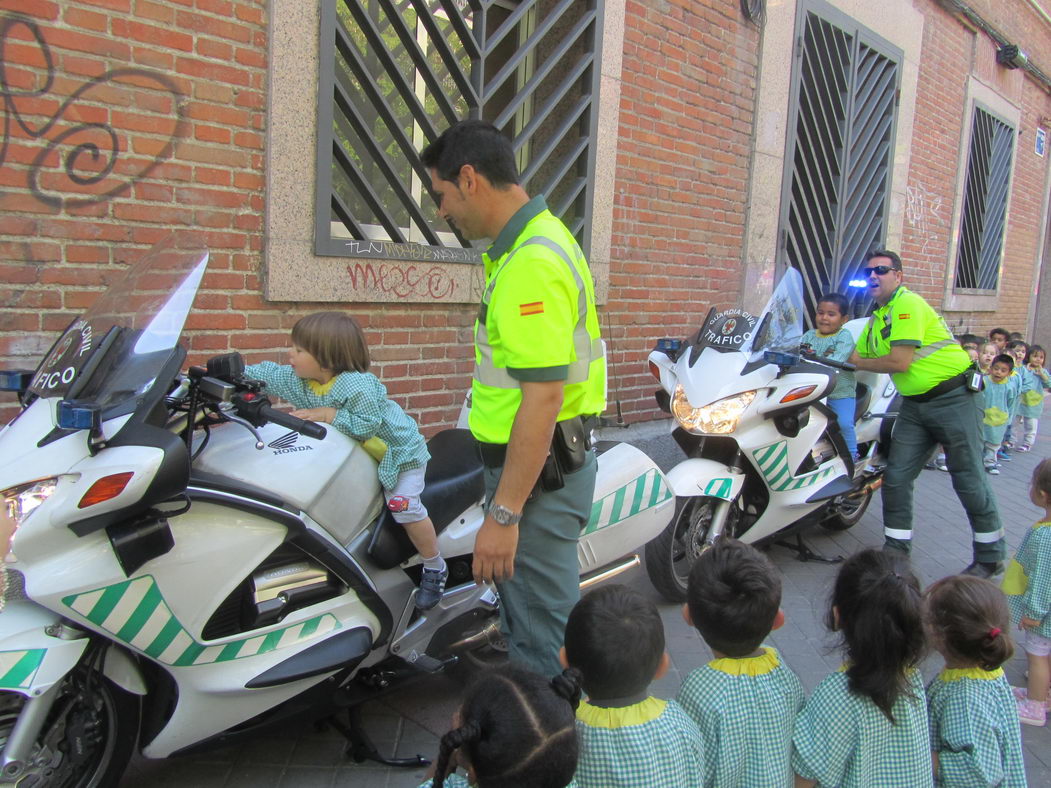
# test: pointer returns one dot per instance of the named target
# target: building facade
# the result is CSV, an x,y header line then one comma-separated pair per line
x,y
697,148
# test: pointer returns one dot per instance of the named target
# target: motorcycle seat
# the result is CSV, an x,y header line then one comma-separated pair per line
x,y
863,397
452,483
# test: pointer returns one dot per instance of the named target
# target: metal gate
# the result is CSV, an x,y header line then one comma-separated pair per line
x,y
840,152
395,73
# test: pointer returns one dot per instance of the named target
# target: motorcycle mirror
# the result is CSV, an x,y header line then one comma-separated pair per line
x,y
16,380
79,415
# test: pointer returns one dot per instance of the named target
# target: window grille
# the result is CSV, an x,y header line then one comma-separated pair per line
x,y
841,153
395,73
984,212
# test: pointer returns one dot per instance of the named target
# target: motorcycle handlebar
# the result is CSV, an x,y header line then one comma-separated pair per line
x,y
828,362
302,426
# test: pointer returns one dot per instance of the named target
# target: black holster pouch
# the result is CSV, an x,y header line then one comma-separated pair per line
x,y
570,445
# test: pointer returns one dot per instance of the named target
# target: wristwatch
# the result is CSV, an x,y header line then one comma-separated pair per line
x,y
503,515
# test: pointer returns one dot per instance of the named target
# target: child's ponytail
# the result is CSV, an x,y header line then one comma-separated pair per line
x,y
876,606
450,742
968,620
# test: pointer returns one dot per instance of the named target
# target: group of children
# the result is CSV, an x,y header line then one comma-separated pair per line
x,y
742,718
1016,379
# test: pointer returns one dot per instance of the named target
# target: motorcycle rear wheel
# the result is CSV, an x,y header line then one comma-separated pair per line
x,y
671,555
94,718
847,513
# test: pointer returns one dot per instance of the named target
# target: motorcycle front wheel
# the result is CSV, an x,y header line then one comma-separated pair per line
x,y
671,555
87,739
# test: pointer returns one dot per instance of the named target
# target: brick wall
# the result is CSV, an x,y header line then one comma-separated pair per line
x,y
182,86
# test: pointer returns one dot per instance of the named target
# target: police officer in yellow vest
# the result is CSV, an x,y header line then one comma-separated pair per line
x,y
908,339
539,370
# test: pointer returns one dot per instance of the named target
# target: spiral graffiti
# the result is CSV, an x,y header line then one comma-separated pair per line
x,y
77,163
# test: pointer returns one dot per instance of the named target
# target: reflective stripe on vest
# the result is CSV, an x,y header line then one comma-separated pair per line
x,y
587,349
921,352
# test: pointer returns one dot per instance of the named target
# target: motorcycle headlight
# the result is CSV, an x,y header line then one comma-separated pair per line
x,y
718,418
22,500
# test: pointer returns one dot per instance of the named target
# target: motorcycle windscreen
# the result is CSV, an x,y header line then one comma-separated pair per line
x,y
780,325
111,355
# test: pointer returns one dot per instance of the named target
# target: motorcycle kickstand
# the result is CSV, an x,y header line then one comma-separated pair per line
x,y
360,746
805,552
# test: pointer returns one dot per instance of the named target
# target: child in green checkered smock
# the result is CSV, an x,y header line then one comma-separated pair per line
x,y
974,727
1000,398
746,699
865,725
328,381
1027,583
1036,382
628,739
513,727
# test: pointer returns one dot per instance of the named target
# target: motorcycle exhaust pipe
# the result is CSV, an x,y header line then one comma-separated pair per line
x,y
871,487
609,571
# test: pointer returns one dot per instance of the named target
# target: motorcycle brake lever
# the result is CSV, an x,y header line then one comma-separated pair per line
x,y
259,445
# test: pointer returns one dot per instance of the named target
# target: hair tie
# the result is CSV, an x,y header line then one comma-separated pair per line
x,y
994,632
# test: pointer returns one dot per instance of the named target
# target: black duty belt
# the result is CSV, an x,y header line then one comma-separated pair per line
x,y
950,384
494,454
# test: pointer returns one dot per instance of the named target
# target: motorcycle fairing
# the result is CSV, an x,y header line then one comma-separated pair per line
x,y
702,476
31,661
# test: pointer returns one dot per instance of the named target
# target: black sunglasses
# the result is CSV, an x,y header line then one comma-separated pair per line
x,y
882,270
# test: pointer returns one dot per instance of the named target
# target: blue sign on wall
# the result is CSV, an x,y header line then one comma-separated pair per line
x,y
1041,141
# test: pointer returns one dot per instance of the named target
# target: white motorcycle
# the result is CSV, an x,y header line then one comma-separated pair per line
x,y
190,564
765,457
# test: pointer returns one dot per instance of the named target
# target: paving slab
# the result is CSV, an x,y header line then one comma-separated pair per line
x,y
411,720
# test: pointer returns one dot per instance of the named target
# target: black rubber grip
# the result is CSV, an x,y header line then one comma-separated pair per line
x,y
309,428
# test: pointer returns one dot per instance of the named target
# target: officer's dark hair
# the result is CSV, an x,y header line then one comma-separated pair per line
x,y
1001,331
473,142
733,594
516,728
840,300
615,638
968,619
971,339
876,608
1003,358
895,260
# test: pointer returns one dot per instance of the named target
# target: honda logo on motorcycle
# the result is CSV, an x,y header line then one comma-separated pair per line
x,y
286,444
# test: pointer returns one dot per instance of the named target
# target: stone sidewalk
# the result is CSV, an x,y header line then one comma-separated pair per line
x,y
411,720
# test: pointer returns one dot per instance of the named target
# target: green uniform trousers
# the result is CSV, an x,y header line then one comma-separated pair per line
x,y
535,603
954,420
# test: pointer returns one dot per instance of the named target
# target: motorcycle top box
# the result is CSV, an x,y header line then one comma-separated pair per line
x,y
190,564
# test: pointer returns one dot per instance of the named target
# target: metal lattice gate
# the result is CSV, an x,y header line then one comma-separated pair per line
x,y
395,73
840,153
984,203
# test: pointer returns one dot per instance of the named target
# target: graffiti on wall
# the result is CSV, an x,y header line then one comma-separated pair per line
x,y
75,139
407,281
923,212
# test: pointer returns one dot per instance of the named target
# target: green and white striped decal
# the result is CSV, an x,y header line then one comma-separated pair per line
x,y
773,464
644,492
17,668
719,488
135,613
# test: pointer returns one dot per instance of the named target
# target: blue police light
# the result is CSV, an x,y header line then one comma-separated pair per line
x,y
667,345
16,380
78,415
780,359
857,283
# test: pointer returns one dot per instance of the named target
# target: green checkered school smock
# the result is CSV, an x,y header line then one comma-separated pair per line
x,y
745,709
1027,581
362,412
974,729
651,744
459,781
843,740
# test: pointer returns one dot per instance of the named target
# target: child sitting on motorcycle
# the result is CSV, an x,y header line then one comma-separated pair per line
x,y
327,380
831,339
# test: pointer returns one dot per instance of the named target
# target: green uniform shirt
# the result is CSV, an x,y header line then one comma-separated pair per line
x,y
537,322
975,730
909,320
